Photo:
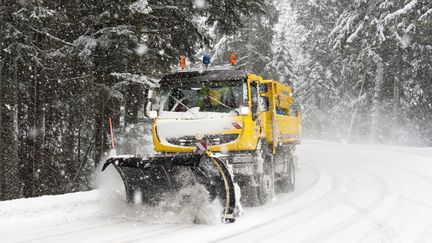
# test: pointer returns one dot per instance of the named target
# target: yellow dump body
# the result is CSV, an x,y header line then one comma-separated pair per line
x,y
286,122
271,116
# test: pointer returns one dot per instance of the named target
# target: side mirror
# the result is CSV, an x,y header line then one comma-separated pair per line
x,y
152,104
153,114
264,104
150,94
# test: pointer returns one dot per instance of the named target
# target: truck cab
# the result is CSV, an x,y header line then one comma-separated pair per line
x,y
246,119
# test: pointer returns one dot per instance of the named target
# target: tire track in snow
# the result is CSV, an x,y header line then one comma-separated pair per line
x,y
314,207
415,202
139,237
80,230
29,234
362,213
387,233
324,202
24,234
426,232
320,237
124,230
384,228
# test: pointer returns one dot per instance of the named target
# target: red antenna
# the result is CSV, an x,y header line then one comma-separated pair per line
x,y
112,133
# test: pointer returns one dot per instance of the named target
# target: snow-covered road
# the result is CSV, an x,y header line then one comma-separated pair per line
x,y
345,193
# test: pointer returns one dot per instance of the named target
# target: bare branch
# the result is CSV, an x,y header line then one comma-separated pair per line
x,y
51,36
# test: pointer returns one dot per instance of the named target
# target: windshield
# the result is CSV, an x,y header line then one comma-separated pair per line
x,y
207,97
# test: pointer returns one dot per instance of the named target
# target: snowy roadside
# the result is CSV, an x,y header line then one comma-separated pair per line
x,y
344,193
51,210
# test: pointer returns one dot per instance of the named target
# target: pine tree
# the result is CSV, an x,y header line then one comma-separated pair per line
x,y
368,49
251,43
282,63
61,63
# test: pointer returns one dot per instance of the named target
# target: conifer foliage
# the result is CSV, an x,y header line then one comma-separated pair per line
x,y
367,69
66,66
282,64
361,70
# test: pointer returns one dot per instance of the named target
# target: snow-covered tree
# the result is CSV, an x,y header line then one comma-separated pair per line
x,y
252,43
282,63
384,32
62,69
370,51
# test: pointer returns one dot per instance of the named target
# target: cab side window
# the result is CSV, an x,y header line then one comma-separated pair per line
x,y
254,97
282,106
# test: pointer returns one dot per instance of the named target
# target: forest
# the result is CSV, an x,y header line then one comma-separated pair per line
x,y
361,71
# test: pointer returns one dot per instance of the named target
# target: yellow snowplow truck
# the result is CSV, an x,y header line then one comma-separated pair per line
x,y
224,129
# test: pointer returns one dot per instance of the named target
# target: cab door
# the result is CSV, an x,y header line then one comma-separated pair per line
x,y
254,106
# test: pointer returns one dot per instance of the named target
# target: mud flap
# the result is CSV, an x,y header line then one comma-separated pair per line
x,y
146,180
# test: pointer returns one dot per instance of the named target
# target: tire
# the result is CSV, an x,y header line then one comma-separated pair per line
x,y
258,189
286,183
266,180
249,193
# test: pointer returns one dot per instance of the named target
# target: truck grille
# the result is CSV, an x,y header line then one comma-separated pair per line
x,y
189,141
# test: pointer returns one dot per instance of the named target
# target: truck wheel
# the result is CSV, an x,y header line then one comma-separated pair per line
x,y
266,188
266,185
249,191
257,189
292,176
287,182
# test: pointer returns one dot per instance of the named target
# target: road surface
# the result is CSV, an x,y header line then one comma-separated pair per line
x,y
344,193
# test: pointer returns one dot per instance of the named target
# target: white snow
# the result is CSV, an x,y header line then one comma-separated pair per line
x,y
355,34
406,9
168,128
140,6
423,17
141,49
344,193
200,4
135,78
88,45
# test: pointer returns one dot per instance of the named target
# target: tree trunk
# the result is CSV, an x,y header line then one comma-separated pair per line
x,y
26,165
10,184
376,103
2,175
354,114
99,137
71,161
37,135
53,160
396,105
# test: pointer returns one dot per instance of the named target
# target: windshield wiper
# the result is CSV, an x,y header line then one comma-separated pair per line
x,y
178,101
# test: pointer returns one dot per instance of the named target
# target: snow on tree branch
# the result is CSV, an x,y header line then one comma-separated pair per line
x,y
135,78
140,6
409,7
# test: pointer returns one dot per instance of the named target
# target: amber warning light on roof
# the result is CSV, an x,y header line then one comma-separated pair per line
x,y
182,62
232,58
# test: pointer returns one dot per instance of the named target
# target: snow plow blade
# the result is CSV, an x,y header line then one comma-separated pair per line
x,y
146,180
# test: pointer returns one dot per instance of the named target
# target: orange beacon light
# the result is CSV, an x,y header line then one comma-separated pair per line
x,y
232,58
182,62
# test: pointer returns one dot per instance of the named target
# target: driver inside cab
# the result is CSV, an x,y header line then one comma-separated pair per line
x,y
211,99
